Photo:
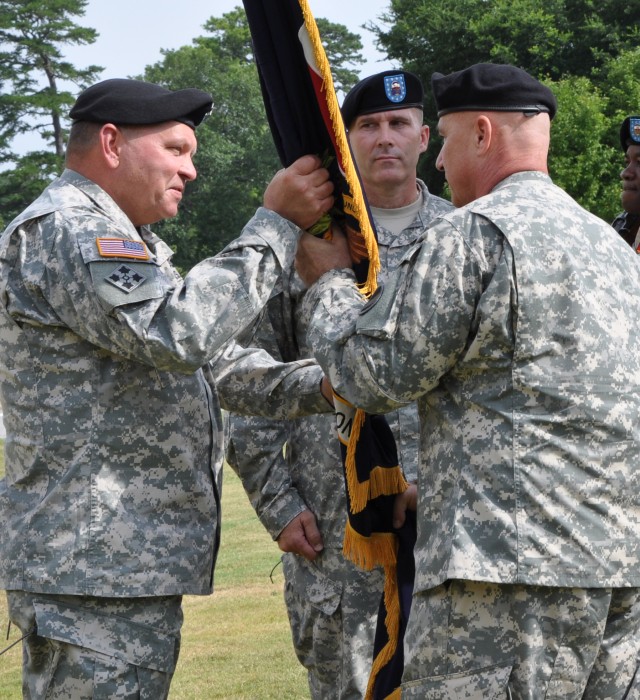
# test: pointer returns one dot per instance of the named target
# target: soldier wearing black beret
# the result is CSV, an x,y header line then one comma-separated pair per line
x,y
491,95
491,87
512,323
383,114
391,89
627,224
112,412
630,132
136,102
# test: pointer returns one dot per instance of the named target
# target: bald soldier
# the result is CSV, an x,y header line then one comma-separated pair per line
x,y
513,324
110,509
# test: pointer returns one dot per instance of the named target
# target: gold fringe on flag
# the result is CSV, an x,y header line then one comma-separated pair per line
x,y
382,481
380,548
392,624
368,552
357,204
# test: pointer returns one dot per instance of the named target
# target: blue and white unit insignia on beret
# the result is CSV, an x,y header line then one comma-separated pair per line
x,y
395,88
634,129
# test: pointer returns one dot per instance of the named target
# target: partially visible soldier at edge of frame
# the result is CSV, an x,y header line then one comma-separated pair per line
x,y
627,224
299,496
110,508
513,325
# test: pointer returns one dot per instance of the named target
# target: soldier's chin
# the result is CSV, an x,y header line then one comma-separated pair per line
x,y
631,202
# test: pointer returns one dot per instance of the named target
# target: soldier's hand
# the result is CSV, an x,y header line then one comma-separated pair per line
x,y
326,390
315,256
301,536
301,193
407,500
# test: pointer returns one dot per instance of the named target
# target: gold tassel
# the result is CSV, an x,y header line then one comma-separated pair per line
x,y
358,490
379,549
386,482
392,624
357,204
382,481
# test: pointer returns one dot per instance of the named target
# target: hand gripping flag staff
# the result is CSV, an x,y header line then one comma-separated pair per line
x,y
304,116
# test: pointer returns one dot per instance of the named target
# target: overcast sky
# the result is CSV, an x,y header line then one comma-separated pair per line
x,y
133,32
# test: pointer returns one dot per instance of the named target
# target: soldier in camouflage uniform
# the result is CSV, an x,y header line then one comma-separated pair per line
x,y
627,224
110,508
299,494
513,324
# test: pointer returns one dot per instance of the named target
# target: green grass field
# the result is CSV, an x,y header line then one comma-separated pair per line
x,y
236,643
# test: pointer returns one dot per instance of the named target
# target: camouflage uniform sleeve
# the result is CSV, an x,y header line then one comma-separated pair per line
x,y
255,447
167,322
252,383
389,351
255,451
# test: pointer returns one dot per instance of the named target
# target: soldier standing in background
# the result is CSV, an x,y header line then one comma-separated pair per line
x,y
628,222
298,491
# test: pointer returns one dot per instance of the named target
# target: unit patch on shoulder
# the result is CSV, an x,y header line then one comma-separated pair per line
x,y
122,248
125,278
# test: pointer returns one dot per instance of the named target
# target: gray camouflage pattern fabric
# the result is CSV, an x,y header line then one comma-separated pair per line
x,y
513,324
331,606
114,432
97,647
571,643
333,641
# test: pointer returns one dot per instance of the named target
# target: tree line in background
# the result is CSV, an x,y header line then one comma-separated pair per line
x,y
587,52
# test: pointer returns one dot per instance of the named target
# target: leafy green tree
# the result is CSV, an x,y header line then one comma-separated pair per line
x,y
620,79
32,66
581,156
33,70
586,51
21,184
552,38
236,156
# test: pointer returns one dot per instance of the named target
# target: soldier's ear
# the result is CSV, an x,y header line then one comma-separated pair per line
x,y
111,141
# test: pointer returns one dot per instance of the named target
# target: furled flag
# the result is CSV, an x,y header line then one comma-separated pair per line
x,y
304,116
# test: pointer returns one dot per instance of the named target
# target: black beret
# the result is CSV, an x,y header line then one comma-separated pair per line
x,y
391,89
491,87
123,101
630,132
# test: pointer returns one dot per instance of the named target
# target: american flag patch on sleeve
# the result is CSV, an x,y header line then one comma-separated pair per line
x,y
122,248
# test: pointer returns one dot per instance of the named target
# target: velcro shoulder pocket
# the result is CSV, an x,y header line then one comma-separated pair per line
x,y
120,277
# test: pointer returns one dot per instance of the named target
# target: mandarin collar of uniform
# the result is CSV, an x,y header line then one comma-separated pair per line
x,y
386,237
101,199
523,176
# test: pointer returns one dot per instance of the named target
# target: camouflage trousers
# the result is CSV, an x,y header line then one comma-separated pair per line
x,y
332,607
480,641
96,648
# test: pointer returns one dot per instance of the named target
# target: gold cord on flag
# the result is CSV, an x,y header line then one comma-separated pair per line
x,y
356,205
378,548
